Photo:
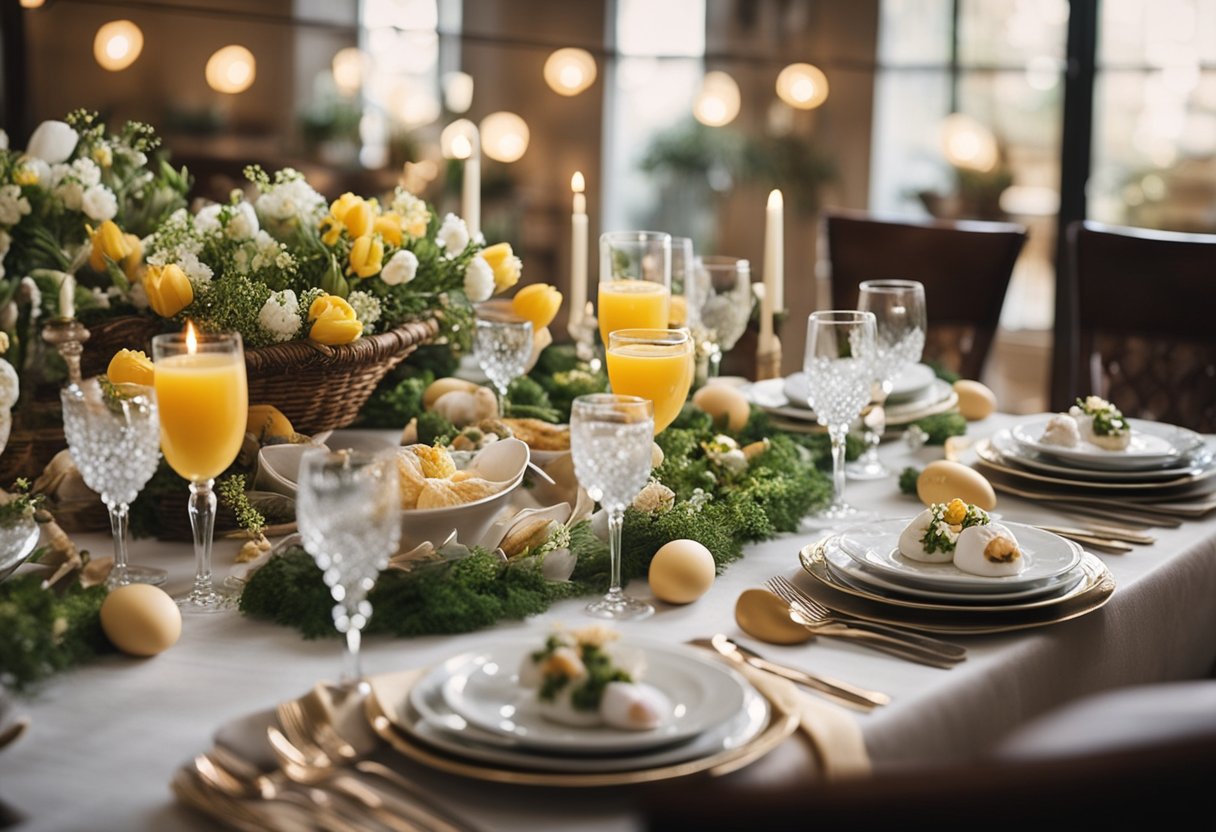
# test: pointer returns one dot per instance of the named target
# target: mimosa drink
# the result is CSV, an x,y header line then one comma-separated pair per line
x,y
203,401
658,367
632,304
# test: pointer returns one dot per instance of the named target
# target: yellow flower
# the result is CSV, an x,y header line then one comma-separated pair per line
x,y
103,156
3,342
25,176
350,212
168,289
366,256
955,512
130,367
505,264
108,241
537,303
132,262
333,321
388,226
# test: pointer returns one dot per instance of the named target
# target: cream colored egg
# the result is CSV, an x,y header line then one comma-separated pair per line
x,y
442,386
975,400
943,480
140,619
681,572
724,404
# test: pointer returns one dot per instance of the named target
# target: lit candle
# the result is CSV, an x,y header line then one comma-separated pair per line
x,y
578,250
67,297
472,184
765,343
774,251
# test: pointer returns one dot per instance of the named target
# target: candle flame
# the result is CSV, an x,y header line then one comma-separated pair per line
x,y
577,183
191,337
774,199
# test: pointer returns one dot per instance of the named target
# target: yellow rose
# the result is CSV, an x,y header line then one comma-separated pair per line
x,y
366,256
132,262
388,226
130,367
350,212
333,321
168,289
537,303
505,264
107,241
25,176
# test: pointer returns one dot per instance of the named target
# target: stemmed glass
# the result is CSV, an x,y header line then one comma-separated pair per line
x,y
720,306
654,364
348,510
839,365
635,281
899,311
683,286
610,439
113,433
203,399
502,345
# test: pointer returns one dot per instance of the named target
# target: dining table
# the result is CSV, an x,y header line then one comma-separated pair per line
x,y
106,738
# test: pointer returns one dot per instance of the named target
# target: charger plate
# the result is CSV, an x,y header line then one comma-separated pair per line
x,y
991,457
396,687
1099,586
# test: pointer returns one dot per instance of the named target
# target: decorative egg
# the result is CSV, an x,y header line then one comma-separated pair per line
x,y
990,551
440,386
911,541
975,400
634,706
681,572
724,404
942,480
141,619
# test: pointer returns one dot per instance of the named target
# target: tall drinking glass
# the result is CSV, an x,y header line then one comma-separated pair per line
x,y
113,433
610,439
635,281
502,345
899,312
683,284
348,510
654,364
839,365
722,299
203,399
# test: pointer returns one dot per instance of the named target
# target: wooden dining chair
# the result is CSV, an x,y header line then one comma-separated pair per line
x,y
965,266
1136,319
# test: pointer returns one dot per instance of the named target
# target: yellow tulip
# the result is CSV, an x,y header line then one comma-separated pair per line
x,y
388,226
537,303
505,264
366,256
350,212
333,321
108,241
25,176
130,367
132,262
168,289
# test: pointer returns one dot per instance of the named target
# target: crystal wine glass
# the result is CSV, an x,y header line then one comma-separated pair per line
x,y
899,311
635,281
720,306
203,398
348,510
839,365
502,345
610,440
113,432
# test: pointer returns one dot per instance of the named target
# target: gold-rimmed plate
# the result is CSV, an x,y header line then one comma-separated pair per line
x,y
990,457
1095,591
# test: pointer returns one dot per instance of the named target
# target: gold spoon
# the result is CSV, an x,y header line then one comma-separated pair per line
x,y
763,615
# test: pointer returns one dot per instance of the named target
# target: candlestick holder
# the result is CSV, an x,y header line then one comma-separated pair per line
x,y
768,362
67,336
583,332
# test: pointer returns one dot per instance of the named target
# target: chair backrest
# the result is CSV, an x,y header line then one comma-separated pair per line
x,y
965,267
1140,325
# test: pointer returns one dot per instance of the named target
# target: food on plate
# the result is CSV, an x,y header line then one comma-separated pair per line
x,y
681,571
989,550
1101,423
427,478
538,435
442,493
932,535
726,405
975,401
1061,429
942,480
582,678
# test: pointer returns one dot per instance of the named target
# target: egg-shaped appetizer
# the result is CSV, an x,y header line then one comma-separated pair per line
x,y
932,534
990,551
634,707
1061,429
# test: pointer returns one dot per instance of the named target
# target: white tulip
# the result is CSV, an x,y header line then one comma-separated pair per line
x,y
53,142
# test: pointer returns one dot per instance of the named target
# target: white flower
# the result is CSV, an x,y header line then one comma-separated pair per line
x,y
13,206
478,279
71,193
52,141
86,172
413,211
10,386
3,140
243,224
291,199
367,308
196,271
207,219
280,315
138,297
100,297
103,156
655,498
453,236
41,170
99,203
402,267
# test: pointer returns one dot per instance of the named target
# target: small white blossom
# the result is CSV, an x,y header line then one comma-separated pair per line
x,y
99,203
3,140
138,297
367,308
100,297
290,199
478,279
196,271
13,206
401,268
86,172
207,220
71,193
243,224
655,498
453,236
280,315
413,211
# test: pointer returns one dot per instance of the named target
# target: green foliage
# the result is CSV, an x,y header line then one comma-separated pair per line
x,y
433,428
526,398
942,371
907,480
941,427
43,632
393,405
231,491
20,504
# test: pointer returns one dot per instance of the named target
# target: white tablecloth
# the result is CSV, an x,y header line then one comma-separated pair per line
x,y
106,738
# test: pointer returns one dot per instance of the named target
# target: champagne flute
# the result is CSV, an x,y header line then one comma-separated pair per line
x,y
635,281
113,433
348,510
502,345
839,365
723,301
610,439
899,311
203,399
683,284
654,364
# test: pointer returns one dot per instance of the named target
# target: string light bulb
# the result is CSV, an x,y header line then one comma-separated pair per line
x,y
504,136
231,69
802,86
117,44
717,104
569,71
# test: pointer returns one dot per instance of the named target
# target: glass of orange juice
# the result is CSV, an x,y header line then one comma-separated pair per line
x,y
654,364
204,400
635,281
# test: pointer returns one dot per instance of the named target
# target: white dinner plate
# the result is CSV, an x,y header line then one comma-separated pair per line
x,y
938,398
1152,445
912,383
483,687
876,546
1004,443
436,724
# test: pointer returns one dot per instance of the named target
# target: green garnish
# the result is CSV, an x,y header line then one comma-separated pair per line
x,y
21,504
942,536
600,672
1107,419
